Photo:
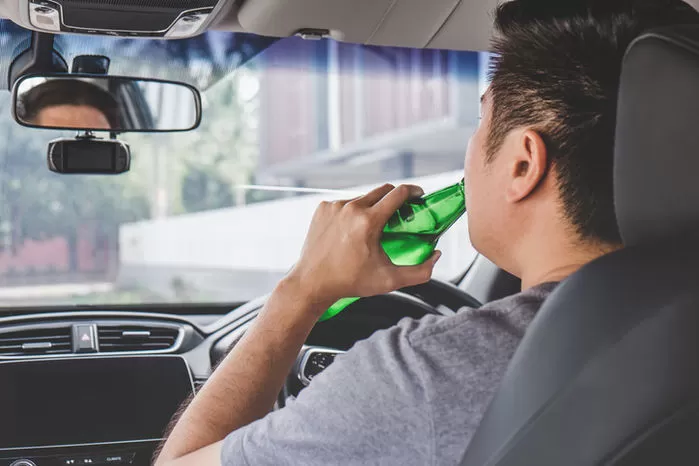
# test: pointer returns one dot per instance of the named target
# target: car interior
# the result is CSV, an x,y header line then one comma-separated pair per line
x,y
115,307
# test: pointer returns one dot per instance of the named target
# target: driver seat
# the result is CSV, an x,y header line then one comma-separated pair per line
x,y
608,372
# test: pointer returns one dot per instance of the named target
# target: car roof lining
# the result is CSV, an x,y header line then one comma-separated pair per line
x,y
446,24
452,24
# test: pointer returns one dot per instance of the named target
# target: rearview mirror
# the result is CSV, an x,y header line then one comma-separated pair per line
x,y
105,103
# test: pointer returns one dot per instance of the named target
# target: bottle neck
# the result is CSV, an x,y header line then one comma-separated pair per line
x,y
446,206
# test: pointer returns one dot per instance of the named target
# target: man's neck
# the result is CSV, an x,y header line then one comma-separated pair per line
x,y
557,263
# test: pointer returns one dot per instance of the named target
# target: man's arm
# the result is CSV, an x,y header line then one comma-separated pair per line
x,y
342,256
245,385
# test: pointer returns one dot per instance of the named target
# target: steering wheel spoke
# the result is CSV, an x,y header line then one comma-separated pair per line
x,y
312,360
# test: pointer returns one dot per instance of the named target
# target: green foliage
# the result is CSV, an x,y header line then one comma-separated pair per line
x,y
205,188
225,145
200,169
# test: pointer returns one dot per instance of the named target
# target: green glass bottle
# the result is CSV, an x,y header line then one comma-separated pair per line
x,y
411,234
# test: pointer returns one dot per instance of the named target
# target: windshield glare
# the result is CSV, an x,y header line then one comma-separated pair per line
x,y
219,214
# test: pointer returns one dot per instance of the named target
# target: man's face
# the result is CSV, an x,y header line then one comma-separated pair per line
x,y
485,188
72,116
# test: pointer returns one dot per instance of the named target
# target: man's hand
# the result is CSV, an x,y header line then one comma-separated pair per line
x,y
342,255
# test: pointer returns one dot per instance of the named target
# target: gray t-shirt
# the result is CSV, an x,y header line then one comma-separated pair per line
x,y
409,395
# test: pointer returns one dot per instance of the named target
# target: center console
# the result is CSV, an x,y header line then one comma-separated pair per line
x,y
88,410
135,454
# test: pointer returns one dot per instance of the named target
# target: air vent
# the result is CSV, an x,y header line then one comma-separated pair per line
x,y
36,341
136,338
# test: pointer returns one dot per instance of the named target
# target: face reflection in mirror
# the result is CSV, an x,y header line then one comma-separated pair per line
x,y
67,103
72,116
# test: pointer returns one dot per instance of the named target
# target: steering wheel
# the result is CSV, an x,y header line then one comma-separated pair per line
x,y
433,297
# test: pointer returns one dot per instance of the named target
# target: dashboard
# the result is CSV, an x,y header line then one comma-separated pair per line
x,y
99,387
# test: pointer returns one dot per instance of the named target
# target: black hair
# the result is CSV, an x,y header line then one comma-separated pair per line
x,y
556,69
67,92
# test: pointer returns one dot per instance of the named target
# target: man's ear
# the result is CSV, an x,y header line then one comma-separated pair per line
x,y
527,167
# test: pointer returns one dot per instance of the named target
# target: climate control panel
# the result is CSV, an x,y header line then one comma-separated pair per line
x,y
139,455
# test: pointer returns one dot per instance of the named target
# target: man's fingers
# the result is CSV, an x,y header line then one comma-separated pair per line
x,y
373,196
396,198
416,274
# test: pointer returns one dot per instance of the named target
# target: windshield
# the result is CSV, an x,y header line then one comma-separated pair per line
x,y
219,214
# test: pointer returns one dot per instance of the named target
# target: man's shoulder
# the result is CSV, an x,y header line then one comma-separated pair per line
x,y
509,316
445,351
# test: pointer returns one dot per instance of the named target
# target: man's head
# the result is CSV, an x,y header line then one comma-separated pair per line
x,y
69,103
539,167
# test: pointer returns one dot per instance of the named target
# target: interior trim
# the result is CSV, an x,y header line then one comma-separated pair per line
x,y
456,6
381,21
73,445
88,315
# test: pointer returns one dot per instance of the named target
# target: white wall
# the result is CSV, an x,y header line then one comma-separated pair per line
x,y
265,236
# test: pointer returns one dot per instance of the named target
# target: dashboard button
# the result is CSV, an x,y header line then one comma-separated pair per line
x,y
84,336
83,460
113,459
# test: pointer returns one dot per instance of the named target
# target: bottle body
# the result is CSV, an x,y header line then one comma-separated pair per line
x,y
408,248
411,234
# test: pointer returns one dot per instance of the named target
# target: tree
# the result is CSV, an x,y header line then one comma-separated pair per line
x,y
204,188
226,145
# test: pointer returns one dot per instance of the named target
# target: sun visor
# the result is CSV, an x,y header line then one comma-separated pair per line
x,y
451,24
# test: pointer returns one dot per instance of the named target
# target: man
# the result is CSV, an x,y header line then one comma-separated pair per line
x,y
539,191
68,103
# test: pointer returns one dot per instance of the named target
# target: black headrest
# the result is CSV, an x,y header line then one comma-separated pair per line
x,y
656,171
